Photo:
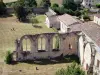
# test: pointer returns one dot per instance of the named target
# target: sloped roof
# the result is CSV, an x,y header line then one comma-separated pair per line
x,y
54,21
50,13
67,19
92,30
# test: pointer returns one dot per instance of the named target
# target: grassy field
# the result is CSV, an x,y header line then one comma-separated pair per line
x,y
8,36
30,68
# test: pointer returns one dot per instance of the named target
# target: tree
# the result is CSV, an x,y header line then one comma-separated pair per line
x,y
45,3
32,18
27,3
77,13
2,8
86,17
30,3
8,58
98,5
20,12
70,4
55,5
74,69
69,11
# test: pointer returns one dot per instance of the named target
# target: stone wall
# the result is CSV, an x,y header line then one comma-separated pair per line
x,y
67,46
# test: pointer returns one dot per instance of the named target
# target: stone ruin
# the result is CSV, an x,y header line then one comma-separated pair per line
x,y
41,46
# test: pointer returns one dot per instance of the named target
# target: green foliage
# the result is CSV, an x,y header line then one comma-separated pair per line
x,y
27,3
30,3
77,13
8,58
85,11
2,8
70,4
69,11
20,12
86,17
69,7
45,3
55,5
74,69
32,18
98,5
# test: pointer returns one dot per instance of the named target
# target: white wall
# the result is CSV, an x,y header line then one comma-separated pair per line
x,y
87,55
63,27
97,57
96,20
81,49
47,22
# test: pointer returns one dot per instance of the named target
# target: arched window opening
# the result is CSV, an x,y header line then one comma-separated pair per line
x,y
41,44
70,46
56,43
26,44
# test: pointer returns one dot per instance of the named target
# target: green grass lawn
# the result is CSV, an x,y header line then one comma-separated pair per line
x,y
8,37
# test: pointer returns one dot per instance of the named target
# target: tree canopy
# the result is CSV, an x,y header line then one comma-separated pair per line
x,y
45,3
70,4
28,3
2,8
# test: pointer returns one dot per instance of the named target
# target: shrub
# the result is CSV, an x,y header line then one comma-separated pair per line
x,y
77,13
55,5
8,58
2,8
69,11
35,20
98,5
32,18
74,69
86,17
20,12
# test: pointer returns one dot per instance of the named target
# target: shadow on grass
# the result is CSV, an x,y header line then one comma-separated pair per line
x,y
58,60
5,16
36,26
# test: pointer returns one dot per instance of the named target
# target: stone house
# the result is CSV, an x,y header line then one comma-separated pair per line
x,y
66,21
90,3
52,19
89,46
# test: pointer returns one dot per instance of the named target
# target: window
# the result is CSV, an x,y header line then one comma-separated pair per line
x,y
26,44
41,44
56,41
70,46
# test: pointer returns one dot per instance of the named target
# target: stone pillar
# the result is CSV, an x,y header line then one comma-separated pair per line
x,y
61,47
18,50
34,47
49,45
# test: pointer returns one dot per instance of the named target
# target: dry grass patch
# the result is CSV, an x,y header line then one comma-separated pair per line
x,y
8,36
30,69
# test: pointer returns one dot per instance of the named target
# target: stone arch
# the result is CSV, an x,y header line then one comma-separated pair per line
x,y
56,42
87,56
81,49
26,43
41,43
